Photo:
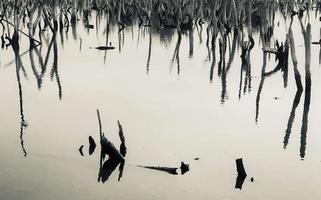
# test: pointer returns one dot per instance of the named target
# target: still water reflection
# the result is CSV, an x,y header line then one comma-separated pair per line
x,y
179,96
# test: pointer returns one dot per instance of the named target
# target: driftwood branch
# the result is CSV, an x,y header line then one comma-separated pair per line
x,y
241,174
99,122
122,149
106,146
240,168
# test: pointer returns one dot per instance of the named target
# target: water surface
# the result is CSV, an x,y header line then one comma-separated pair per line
x,y
173,108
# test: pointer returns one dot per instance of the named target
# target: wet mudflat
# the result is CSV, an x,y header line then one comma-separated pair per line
x,y
175,103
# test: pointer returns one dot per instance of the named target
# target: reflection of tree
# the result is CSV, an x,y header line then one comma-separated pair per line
x,y
247,46
297,97
281,54
213,45
176,53
264,32
191,43
54,70
232,51
222,67
259,91
307,95
149,52
295,104
38,68
14,41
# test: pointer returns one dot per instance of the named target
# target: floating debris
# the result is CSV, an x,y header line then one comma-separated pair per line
x,y
240,168
89,26
252,179
239,182
92,145
184,168
170,170
241,173
196,158
105,48
317,43
80,150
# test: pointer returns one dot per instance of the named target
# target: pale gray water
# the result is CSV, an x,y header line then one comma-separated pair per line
x,y
167,118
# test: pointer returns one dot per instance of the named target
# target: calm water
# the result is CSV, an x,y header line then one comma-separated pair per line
x,y
170,112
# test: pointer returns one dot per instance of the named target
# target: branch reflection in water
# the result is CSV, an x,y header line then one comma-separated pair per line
x,y
45,23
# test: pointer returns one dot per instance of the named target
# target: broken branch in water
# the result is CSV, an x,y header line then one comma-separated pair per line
x,y
270,50
241,173
170,170
104,48
99,122
240,168
109,149
121,26
115,157
281,55
89,26
106,146
122,149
